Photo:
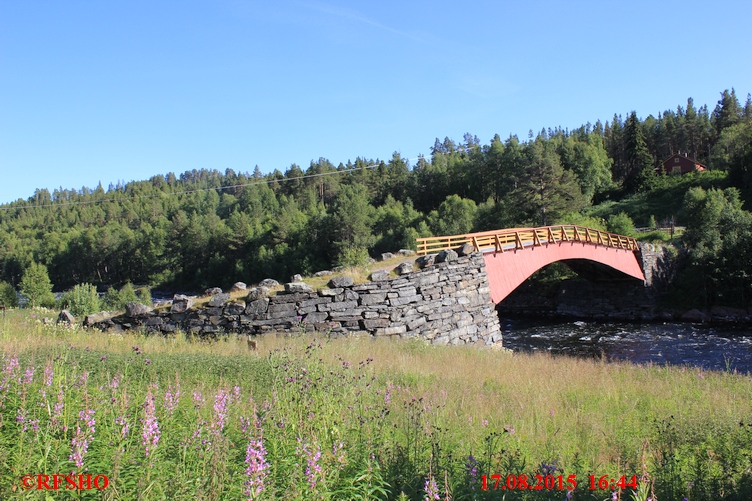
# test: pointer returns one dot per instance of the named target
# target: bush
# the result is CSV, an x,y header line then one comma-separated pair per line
x,y
144,295
8,296
116,299
36,286
353,256
621,224
81,300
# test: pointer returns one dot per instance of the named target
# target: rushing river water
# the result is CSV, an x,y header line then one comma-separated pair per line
x,y
714,348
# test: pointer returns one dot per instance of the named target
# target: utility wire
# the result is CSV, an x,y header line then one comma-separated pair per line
x,y
221,188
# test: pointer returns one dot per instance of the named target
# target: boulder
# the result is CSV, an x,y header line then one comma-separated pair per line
x,y
257,293
257,307
235,308
212,291
323,273
180,303
386,255
238,286
406,252
337,282
219,300
465,249
134,310
294,287
425,261
96,318
695,315
379,275
268,282
65,317
404,268
446,255
296,278
728,313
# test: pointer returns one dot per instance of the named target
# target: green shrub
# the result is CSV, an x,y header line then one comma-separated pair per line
x,y
144,295
621,224
8,296
36,286
81,300
353,256
116,299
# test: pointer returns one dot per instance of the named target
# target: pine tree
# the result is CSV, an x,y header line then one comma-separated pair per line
x,y
36,286
639,167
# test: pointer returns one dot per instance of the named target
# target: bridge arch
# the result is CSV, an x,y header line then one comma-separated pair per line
x,y
513,255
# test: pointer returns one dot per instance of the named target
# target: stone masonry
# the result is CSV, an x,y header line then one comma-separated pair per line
x,y
444,303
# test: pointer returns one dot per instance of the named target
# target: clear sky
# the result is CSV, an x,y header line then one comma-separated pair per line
x,y
114,90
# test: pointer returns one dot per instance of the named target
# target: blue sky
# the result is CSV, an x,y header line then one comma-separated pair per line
x,y
122,90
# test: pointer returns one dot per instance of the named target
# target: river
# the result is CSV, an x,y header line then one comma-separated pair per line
x,y
713,348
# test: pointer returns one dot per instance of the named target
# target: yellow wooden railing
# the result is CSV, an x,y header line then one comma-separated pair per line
x,y
511,239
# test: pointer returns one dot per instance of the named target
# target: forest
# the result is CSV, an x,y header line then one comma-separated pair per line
x,y
207,228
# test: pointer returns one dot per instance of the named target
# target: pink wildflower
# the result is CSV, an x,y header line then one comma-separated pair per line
x,y
150,433
82,438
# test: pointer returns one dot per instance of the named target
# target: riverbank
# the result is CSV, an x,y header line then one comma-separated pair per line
x,y
577,299
346,416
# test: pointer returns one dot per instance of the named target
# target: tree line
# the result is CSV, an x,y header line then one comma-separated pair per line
x,y
204,228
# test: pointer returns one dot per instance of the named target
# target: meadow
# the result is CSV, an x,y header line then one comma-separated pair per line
x,y
357,418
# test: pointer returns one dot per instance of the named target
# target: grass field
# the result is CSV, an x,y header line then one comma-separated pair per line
x,y
313,418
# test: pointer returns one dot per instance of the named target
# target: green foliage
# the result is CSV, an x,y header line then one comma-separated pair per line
x,y
8,296
455,216
203,227
353,256
36,286
144,295
115,299
81,300
719,243
621,224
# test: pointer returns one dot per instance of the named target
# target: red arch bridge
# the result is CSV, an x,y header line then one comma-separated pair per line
x,y
512,255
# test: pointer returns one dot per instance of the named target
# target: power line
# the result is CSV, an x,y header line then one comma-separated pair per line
x,y
186,192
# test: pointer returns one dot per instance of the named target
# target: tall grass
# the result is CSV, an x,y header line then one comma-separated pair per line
x,y
314,418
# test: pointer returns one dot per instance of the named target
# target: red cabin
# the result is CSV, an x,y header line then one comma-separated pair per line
x,y
681,164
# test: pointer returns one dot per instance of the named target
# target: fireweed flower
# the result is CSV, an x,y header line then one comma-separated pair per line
x,y
171,399
82,438
313,469
431,489
57,409
124,426
255,458
150,433
198,399
28,376
220,411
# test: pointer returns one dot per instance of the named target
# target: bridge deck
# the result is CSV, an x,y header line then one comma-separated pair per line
x,y
519,238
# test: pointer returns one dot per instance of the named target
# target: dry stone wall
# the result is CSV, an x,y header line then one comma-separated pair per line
x,y
444,303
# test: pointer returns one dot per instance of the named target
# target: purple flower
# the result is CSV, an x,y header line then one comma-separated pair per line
x,y
57,409
431,489
220,411
124,426
255,458
28,376
313,469
150,433
82,438
198,399
171,399
472,470
48,374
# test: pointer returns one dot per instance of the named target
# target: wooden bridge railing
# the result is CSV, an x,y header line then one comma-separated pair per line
x,y
519,238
